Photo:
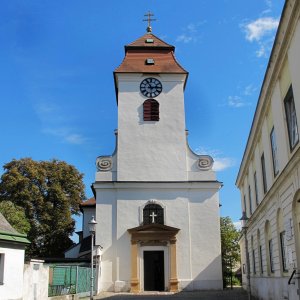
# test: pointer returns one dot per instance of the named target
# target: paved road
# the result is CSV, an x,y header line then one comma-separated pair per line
x,y
235,294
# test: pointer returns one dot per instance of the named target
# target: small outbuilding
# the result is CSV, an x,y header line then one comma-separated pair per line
x,y
12,252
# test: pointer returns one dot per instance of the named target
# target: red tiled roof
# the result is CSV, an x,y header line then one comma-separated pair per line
x,y
89,202
162,53
141,42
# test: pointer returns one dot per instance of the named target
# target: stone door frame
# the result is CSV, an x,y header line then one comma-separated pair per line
x,y
153,235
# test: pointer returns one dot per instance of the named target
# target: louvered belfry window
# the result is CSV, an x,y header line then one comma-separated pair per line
x,y
151,110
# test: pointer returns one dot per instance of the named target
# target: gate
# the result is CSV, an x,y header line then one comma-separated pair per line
x,y
64,280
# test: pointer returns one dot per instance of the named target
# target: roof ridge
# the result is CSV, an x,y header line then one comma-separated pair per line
x,y
161,43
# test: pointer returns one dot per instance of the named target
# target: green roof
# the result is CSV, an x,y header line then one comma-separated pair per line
x,y
14,237
9,234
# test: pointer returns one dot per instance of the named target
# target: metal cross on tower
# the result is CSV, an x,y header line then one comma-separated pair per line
x,y
149,15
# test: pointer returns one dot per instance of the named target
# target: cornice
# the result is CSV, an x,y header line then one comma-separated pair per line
x,y
286,29
204,185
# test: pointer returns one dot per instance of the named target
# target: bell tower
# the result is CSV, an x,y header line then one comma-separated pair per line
x,y
151,119
157,202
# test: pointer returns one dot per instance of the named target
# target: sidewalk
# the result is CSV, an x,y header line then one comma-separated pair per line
x,y
234,294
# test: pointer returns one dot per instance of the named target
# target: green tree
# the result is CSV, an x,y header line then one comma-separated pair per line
x,y
49,192
229,246
15,215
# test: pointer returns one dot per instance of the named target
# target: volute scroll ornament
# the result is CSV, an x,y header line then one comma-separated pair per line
x,y
205,162
104,163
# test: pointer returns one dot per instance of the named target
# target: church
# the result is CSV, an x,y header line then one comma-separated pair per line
x,y
156,201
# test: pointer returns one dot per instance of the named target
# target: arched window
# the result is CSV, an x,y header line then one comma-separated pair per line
x,y
260,255
269,246
253,258
151,110
281,240
153,214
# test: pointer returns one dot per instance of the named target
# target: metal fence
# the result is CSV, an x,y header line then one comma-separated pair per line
x,y
64,280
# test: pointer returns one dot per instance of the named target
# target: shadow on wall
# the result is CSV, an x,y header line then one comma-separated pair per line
x,y
206,280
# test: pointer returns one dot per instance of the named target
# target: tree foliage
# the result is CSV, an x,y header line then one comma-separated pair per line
x,y
49,192
15,215
229,245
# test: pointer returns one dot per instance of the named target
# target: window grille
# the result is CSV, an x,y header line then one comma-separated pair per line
x,y
153,214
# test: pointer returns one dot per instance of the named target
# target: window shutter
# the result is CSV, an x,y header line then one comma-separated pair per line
x,y
151,110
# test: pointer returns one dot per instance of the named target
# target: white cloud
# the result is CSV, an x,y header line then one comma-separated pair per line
x,y
261,31
258,29
240,100
261,51
237,102
220,163
55,122
66,134
249,90
190,33
74,138
45,108
184,38
269,3
49,113
266,11
238,225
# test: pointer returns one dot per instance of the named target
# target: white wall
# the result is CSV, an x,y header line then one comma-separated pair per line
x,y
151,151
191,207
36,280
88,212
12,287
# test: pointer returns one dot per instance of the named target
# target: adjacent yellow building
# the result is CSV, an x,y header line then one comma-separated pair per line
x,y
269,174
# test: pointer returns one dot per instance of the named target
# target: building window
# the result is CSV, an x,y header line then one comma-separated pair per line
x,y
153,214
291,118
255,189
253,261
283,254
250,200
2,268
245,205
274,152
261,260
263,170
271,255
151,110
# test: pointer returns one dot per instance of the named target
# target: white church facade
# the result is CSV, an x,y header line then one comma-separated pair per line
x,y
156,202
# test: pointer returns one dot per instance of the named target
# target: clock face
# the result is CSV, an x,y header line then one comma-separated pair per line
x,y
151,87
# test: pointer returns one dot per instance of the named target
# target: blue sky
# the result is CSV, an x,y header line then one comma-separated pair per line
x,y
56,83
